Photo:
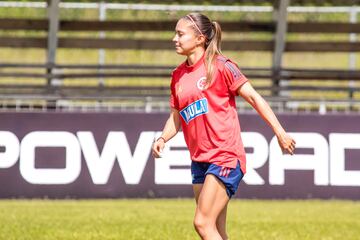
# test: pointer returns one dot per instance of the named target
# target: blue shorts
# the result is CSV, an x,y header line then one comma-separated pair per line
x,y
230,177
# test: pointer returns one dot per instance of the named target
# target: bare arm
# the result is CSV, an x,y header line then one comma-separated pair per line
x,y
286,142
171,127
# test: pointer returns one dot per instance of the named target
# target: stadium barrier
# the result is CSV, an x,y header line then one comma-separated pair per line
x,y
91,155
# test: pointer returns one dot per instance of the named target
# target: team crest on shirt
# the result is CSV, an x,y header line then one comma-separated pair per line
x,y
201,83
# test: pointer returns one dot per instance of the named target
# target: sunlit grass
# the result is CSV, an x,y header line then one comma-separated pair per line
x,y
172,219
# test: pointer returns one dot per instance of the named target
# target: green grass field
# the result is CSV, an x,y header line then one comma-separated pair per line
x,y
172,219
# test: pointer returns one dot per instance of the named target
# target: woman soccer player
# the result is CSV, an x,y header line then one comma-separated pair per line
x,y
202,101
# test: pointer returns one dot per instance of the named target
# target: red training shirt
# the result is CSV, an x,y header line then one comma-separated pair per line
x,y
208,116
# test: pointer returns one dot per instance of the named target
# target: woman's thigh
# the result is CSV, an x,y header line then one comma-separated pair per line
x,y
212,197
197,189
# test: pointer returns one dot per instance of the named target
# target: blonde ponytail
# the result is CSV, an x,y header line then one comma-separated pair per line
x,y
212,50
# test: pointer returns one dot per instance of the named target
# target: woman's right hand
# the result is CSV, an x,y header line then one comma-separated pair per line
x,y
158,147
286,143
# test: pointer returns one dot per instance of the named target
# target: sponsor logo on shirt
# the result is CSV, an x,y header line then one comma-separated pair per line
x,y
201,83
194,110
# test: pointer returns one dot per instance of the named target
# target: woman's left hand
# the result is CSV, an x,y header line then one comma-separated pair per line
x,y
286,143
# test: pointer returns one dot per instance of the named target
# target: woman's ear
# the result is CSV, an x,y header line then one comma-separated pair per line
x,y
200,40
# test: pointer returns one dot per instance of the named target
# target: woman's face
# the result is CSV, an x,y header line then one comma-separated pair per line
x,y
185,39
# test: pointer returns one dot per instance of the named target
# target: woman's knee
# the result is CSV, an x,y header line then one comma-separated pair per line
x,y
199,222
203,223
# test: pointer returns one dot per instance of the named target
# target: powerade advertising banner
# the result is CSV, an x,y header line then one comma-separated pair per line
x,y
108,155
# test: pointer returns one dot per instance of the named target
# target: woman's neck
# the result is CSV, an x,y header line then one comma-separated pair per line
x,y
195,57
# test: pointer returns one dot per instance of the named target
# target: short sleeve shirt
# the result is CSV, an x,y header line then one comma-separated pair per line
x,y
208,115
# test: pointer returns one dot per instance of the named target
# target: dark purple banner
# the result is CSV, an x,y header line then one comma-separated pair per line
x,y
108,155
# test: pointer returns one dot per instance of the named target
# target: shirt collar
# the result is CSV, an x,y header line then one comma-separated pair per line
x,y
195,65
